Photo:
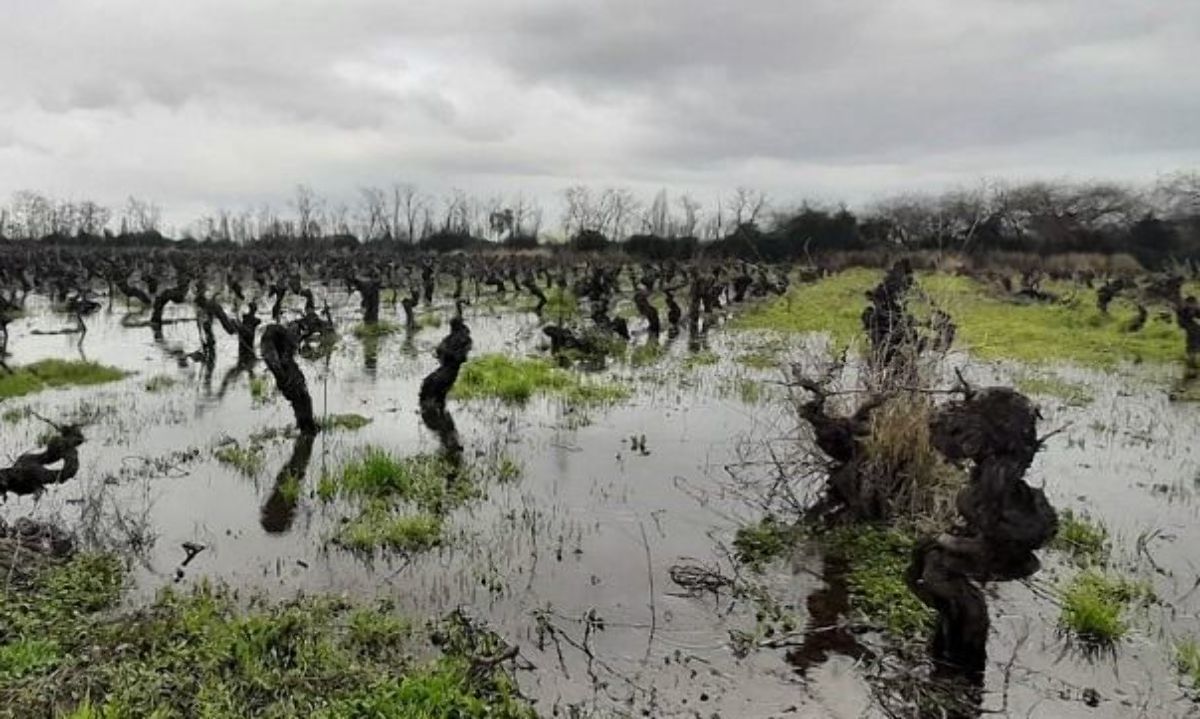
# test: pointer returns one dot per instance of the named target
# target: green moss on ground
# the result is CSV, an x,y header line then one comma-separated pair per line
x,y
517,380
53,373
204,654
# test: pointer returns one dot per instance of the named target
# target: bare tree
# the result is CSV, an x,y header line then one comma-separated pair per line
x,y
407,206
374,213
308,207
691,216
746,206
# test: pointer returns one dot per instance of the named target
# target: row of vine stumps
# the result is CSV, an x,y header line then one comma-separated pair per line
x,y
921,500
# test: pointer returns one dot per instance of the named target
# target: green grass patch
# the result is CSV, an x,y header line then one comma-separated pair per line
x,y
382,328
647,354
23,657
54,373
350,422
1187,662
832,305
876,559
1072,330
160,383
1081,537
561,304
400,503
247,459
205,654
379,525
260,389
1095,606
517,380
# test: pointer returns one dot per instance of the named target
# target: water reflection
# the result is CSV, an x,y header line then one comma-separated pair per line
x,y
279,511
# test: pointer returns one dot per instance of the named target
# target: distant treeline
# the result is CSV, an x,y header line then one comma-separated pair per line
x,y
1155,224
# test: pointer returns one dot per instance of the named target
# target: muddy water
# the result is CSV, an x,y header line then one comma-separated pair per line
x,y
585,538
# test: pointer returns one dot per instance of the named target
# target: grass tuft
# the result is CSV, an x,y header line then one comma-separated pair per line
x,y
248,460
1094,606
516,381
375,331
349,422
1081,537
54,373
758,544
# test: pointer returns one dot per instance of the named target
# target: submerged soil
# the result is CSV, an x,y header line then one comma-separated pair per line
x,y
571,559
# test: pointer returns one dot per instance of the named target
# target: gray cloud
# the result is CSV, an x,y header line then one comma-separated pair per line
x,y
203,102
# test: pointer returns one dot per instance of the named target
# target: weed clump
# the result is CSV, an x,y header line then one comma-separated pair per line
x,y
348,422
55,373
877,558
248,460
401,501
375,330
758,544
516,381
1081,537
1094,606
1187,662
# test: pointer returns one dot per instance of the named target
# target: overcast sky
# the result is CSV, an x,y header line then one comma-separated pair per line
x,y
233,102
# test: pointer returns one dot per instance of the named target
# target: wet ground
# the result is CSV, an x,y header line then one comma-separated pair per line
x,y
571,560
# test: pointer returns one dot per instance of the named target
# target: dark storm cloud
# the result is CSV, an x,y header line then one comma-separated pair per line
x,y
848,96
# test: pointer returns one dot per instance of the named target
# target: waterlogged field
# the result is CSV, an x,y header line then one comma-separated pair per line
x,y
581,499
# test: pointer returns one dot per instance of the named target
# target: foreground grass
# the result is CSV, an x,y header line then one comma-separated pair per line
x,y
1095,606
54,373
517,380
991,326
202,654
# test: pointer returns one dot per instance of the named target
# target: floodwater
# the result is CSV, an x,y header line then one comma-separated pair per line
x,y
583,541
